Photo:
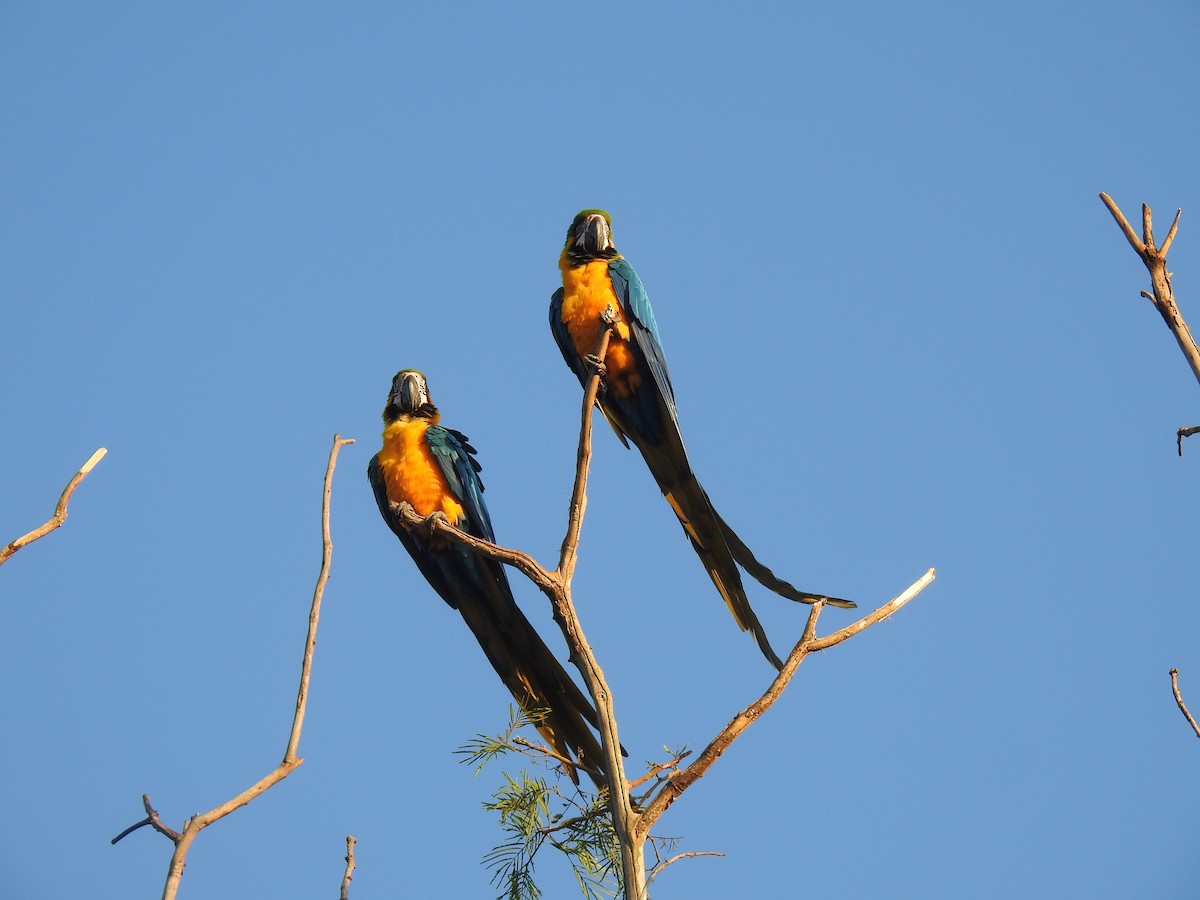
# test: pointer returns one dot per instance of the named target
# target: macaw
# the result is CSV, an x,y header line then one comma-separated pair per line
x,y
434,469
636,397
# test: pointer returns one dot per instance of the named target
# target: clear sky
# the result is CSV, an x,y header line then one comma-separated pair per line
x,y
903,332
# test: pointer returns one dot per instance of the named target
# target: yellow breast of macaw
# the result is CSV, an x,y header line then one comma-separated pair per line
x,y
587,292
412,474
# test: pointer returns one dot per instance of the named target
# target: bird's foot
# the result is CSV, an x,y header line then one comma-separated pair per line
x,y
596,364
430,521
609,316
402,510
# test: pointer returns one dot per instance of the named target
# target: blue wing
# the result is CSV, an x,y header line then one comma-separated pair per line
x,y
445,568
456,458
645,411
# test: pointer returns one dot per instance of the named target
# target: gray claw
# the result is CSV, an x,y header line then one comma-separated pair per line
x,y
595,364
433,518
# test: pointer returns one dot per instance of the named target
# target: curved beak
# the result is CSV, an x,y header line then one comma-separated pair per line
x,y
409,391
593,235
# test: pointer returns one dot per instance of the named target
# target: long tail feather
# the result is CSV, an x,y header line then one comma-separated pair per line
x,y
769,579
703,527
536,679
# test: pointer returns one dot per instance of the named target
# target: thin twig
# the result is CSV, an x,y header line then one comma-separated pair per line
x,y
553,754
350,842
657,870
1155,260
1179,700
151,819
60,511
1182,433
669,764
314,614
878,616
193,826
569,553
680,782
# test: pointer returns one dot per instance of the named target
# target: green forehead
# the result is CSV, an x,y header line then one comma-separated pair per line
x,y
583,214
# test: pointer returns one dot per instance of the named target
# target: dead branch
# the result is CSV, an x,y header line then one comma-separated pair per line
x,y
193,826
657,870
680,782
151,819
1182,433
661,767
1155,259
350,842
60,511
1179,701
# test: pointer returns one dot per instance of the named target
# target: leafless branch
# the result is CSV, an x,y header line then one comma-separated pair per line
x,y
522,562
661,767
538,750
193,826
350,842
569,553
1163,296
1182,433
680,782
657,870
151,819
1179,700
60,511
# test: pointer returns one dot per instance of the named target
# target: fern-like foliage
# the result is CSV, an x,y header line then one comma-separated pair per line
x,y
544,809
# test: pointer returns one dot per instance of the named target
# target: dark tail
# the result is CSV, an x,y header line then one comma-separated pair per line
x,y
705,530
536,678
769,579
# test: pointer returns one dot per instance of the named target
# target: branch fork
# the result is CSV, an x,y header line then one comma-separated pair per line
x,y
1155,259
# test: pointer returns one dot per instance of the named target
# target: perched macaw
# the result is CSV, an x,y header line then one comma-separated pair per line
x,y
637,398
435,471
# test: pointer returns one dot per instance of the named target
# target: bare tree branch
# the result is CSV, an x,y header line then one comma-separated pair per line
x,y
680,782
193,826
657,870
60,511
350,842
661,767
1163,298
1179,701
1182,433
583,460
151,819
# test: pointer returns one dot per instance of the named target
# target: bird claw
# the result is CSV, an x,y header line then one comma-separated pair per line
x,y
609,316
405,511
431,520
596,364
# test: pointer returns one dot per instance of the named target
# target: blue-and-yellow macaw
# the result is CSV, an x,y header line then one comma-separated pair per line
x,y
637,398
435,471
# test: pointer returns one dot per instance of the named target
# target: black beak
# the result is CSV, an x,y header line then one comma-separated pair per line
x,y
593,236
409,391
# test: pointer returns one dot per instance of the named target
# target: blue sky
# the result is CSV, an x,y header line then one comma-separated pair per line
x,y
903,331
